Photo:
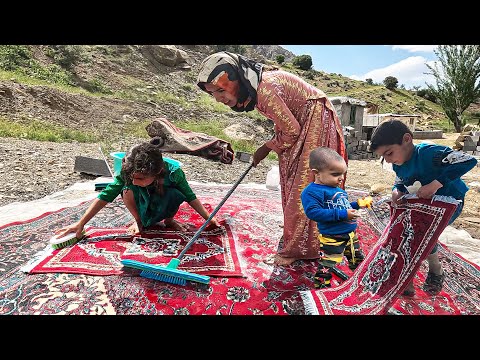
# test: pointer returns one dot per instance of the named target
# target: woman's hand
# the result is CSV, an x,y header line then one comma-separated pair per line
x,y
260,154
77,228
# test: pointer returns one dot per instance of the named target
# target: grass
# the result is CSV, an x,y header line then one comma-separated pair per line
x,y
25,69
41,131
26,79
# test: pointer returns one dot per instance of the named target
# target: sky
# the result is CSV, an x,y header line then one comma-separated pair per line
x,y
360,62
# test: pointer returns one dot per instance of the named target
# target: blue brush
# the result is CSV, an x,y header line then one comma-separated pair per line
x,y
170,273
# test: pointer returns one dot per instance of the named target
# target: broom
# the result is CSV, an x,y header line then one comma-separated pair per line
x,y
170,273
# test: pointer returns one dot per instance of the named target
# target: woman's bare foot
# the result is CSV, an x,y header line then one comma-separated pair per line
x,y
175,225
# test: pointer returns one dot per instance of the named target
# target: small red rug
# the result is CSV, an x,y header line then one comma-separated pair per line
x,y
212,254
390,265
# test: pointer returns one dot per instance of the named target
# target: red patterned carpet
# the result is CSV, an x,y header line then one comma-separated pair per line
x,y
213,254
254,219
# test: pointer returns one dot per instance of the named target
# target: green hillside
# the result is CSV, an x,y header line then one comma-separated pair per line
x,y
114,90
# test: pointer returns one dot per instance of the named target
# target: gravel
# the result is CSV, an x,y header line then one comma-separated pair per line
x,y
33,169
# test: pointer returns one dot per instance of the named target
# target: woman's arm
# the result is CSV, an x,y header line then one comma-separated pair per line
x,y
261,153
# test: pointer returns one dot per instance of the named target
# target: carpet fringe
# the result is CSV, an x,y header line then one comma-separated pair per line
x,y
37,258
309,303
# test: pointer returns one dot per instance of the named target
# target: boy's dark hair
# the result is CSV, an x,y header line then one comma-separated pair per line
x,y
145,158
322,156
389,132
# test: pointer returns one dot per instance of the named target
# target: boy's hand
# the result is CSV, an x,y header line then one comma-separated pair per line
x,y
352,214
396,195
427,191
135,228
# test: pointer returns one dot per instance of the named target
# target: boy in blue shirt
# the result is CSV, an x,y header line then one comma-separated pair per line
x,y
438,168
327,204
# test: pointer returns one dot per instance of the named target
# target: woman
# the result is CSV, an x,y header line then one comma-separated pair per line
x,y
304,119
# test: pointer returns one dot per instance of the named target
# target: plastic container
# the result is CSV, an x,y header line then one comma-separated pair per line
x,y
118,156
273,178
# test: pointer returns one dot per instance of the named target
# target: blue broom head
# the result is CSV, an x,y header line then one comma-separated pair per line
x,y
166,273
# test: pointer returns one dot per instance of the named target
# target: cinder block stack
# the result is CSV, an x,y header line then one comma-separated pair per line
x,y
469,141
357,147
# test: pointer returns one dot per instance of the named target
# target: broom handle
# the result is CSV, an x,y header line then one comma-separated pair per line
x,y
106,162
197,234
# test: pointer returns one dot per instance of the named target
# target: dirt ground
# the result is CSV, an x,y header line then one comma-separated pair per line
x,y
363,174
34,169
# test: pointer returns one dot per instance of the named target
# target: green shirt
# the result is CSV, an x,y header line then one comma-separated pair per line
x,y
175,179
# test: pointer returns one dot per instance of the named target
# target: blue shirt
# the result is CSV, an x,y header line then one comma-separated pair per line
x,y
435,162
327,206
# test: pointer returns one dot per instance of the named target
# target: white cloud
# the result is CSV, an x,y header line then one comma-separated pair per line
x,y
409,72
415,48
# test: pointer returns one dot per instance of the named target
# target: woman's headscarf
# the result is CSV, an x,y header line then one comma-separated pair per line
x,y
223,67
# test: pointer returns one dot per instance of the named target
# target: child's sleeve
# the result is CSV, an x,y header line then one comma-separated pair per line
x,y
453,164
399,185
112,190
313,206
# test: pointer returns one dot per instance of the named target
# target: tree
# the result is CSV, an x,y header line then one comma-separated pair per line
x,y
303,62
457,74
280,59
369,81
390,82
426,94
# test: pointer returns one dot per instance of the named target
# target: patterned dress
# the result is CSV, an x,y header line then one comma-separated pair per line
x,y
304,119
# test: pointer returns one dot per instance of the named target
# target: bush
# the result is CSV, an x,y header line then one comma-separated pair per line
x,y
390,82
421,92
303,62
97,86
280,59
427,94
67,55
14,56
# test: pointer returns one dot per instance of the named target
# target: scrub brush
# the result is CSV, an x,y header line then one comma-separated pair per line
x,y
64,241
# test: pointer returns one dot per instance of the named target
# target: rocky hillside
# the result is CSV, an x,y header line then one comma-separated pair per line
x,y
107,93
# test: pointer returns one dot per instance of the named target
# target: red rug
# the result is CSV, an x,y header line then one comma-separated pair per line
x,y
212,254
390,265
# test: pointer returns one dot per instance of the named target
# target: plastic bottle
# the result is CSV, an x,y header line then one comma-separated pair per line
x,y
273,178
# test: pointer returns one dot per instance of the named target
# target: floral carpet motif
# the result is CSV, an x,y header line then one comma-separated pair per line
x,y
390,264
101,251
254,217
